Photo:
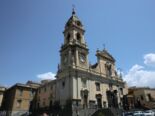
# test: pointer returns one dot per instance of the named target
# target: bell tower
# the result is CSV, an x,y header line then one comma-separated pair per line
x,y
74,51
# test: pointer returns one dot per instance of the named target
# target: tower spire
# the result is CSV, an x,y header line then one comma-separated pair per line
x,y
73,9
104,47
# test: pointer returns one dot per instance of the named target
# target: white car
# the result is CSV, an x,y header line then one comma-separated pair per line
x,y
149,113
138,113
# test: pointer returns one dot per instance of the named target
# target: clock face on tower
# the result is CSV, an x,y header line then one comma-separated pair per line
x,y
82,58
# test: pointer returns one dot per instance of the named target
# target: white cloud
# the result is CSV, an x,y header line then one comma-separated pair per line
x,y
139,76
149,59
48,75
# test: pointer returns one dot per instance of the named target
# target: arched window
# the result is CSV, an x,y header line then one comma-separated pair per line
x,y
78,37
78,23
108,69
68,38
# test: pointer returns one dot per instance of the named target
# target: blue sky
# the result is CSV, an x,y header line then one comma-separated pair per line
x,y
31,36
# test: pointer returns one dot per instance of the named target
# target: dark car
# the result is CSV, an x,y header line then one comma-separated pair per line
x,y
128,114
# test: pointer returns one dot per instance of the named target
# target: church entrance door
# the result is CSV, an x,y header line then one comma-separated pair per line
x,y
99,100
85,101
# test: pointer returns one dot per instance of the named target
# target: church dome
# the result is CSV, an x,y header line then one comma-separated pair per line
x,y
74,20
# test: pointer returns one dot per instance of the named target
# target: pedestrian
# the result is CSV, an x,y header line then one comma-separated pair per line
x,y
44,114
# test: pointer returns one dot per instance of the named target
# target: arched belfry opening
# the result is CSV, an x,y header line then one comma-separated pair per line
x,y
68,38
78,37
79,23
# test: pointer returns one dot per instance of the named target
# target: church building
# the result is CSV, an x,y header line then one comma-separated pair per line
x,y
80,85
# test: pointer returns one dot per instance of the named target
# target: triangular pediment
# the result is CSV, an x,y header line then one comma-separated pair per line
x,y
106,54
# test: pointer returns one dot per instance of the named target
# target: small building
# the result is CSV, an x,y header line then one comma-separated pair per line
x,y
46,95
2,90
142,97
19,99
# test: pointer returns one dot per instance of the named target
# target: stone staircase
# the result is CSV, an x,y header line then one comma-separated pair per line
x,y
149,105
85,112
108,112
103,112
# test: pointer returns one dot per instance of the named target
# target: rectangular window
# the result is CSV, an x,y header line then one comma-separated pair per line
x,y
45,89
32,93
30,103
38,105
142,98
18,104
51,87
110,87
44,104
20,92
63,84
149,97
121,90
92,104
51,104
51,96
84,83
97,86
38,98
39,90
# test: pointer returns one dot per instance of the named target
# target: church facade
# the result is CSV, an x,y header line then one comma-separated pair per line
x,y
80,85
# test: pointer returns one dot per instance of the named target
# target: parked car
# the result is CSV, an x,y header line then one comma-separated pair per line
x,y
128,114
149,113
138,113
